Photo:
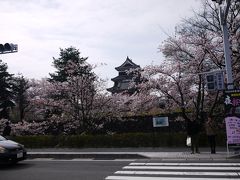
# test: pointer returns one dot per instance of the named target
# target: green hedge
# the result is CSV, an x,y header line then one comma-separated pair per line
x,y
111,141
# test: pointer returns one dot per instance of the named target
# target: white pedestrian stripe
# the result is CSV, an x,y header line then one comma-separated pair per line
x,y
185,164
182,168
160,178
177,171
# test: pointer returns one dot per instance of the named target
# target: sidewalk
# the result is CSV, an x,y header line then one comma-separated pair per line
x,y
131,153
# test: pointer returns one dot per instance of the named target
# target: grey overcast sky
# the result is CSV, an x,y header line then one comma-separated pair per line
x,y
106,31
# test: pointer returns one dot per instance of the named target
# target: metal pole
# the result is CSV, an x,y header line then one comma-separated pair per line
x,y
228,2
227,52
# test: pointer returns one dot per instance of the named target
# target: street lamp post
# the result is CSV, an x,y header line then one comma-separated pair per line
x,y
223,11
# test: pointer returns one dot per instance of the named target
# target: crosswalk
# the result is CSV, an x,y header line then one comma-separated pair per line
x,y
177,171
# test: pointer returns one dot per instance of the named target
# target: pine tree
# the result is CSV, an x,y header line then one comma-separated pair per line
x,y
20,88
67,57
6,91
75,89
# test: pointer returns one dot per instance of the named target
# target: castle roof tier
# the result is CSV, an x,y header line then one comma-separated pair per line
x,y
128,64
121,77
124,79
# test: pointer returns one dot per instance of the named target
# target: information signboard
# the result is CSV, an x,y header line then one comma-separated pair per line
x,y
233,130
160,121
232,119
232,102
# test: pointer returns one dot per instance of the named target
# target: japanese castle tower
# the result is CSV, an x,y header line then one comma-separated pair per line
x,y
123,80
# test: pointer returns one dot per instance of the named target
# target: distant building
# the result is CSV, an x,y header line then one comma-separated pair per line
x,y
124,78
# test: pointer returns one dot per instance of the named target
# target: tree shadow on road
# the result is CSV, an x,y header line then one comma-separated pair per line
x,y
15,166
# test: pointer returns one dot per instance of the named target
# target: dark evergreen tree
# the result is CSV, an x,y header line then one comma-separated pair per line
x,y
74,81
67,56
20,88
6,91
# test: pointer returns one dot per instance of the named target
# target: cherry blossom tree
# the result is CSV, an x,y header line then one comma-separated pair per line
x,y
208,20
195,48
39,99
76,93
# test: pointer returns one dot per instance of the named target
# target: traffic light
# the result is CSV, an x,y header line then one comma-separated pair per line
x,y
8,48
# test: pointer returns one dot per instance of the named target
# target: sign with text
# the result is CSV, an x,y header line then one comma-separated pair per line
x,y
233,130
160,121
214,80
232,102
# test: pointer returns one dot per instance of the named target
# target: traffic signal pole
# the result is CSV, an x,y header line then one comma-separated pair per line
x,y
226,44
223,12
231,96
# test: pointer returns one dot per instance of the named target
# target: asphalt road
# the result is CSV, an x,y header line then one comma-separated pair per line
x,y
60,170
79,169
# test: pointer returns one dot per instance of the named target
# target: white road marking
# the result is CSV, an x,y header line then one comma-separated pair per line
x,y
185,164
177,173
182,168
124,159
182,171
81,159
159,178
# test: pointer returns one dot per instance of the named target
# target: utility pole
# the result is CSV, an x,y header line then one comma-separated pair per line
x,y
223,12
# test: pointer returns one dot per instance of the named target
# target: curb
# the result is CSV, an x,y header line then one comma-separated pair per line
x,y
60,155
234,157
121,155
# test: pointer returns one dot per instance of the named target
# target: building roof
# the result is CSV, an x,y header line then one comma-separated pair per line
x,y
128,64
119,90
115,90
122,77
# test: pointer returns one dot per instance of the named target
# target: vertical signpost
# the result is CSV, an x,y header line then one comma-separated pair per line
x,y
159,122
232,96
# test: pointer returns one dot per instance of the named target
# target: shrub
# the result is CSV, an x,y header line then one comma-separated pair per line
x,y
111,141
